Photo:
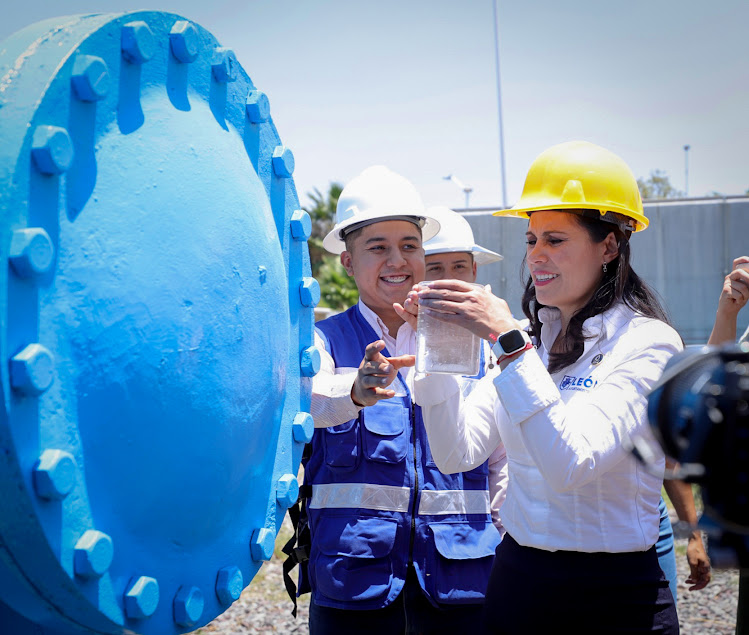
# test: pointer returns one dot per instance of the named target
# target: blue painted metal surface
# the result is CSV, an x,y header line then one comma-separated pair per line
x,y
155,327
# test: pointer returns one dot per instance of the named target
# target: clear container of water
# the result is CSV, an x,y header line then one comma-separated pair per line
x,y
445,348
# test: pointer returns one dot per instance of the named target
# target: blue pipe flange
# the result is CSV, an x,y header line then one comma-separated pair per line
x,y
155,326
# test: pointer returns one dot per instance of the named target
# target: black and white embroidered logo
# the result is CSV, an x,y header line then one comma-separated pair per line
x,y
597,359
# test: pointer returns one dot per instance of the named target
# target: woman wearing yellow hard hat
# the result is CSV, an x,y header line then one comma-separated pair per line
x,y
581,513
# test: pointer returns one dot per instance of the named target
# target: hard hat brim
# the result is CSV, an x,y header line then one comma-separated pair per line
x,y
481,255
641,221
334,244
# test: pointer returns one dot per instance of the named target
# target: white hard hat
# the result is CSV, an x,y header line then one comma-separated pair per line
x,y
374,195
455,235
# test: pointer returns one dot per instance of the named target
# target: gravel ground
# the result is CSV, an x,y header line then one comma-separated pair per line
x,y
711,611
265,608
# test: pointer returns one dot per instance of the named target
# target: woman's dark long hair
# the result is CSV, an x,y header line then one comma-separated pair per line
x,y
619,284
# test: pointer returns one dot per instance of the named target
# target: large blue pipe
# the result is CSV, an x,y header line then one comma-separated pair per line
x,y
155,327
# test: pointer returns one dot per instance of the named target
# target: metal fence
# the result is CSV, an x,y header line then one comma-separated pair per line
x,y
684,255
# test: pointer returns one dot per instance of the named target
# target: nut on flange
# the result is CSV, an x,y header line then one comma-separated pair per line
x,y
93,554
283,162
224,65
32,253
257,106
301,225
310,361
261,544
54,474
137,42
90,78
229,584
303,427
32,371
188,606
287,490
52,149
184,41
309,292
142,598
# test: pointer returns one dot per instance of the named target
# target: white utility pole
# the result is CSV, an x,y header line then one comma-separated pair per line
x,y
499,108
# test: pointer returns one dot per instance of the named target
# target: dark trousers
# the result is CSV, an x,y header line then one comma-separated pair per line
x,y
536,591
410,613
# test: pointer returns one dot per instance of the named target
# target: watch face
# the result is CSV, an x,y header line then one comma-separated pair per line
x,y
511,341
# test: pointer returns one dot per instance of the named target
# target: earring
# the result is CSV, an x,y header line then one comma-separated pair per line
x,y
605,268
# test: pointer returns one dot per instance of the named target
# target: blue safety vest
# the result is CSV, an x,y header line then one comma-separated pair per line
x,y
378,501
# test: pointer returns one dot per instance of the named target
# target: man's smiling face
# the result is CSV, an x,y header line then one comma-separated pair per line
x,y
386,259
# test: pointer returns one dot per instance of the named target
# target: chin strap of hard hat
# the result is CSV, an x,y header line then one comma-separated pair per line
x,y
622,222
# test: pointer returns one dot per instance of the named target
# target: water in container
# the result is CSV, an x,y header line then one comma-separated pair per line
x,y
442,347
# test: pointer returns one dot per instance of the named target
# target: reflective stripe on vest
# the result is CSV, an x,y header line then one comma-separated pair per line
x,y
453,501
360,495
396,499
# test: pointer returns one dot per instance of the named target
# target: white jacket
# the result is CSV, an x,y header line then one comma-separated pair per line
x,y
573,484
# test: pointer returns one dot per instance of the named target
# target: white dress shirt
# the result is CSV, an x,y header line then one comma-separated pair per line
x,y
331,387
573,483
498,459
498,478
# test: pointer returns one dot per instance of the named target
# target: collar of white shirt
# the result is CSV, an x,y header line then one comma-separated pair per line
x,y
404,342
598,328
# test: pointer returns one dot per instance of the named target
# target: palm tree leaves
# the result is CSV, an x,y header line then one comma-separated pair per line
x,y
337,289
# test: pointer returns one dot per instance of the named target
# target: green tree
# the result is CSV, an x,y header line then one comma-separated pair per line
x,y
322,213
337,289
658,186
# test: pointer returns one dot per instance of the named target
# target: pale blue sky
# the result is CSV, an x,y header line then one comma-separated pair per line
x,y
412,83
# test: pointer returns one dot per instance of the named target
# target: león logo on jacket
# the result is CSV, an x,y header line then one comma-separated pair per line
x,y
570,382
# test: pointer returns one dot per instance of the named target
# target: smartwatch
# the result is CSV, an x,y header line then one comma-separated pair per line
x,y
510,343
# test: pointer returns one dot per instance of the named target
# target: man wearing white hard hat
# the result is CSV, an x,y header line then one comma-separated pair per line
x,y
454,255
395,545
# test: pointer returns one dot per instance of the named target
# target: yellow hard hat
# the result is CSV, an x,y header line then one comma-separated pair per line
x,y
581,175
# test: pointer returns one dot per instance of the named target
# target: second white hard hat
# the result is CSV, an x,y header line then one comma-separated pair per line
x,y
456,235
374,195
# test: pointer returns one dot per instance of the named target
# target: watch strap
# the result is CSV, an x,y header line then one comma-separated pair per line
x,y
528,345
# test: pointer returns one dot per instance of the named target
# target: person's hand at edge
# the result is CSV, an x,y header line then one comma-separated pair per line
x,y
733,297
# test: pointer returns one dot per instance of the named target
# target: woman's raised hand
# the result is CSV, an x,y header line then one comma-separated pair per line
x,y
472,307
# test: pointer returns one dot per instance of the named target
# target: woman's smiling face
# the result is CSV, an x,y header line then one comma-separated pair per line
x,y
564,262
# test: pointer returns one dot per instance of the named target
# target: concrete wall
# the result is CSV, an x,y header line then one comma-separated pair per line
x,y
684,255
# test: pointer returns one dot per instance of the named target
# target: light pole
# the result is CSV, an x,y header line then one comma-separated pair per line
x,y
499,108
466,190
686,170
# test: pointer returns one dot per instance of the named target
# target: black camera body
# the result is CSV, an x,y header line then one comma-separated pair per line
x,y
699,412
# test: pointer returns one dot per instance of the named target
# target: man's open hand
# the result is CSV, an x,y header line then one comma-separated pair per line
x,y
375,373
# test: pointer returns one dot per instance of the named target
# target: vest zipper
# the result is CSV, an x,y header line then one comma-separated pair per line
x,y
416,487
